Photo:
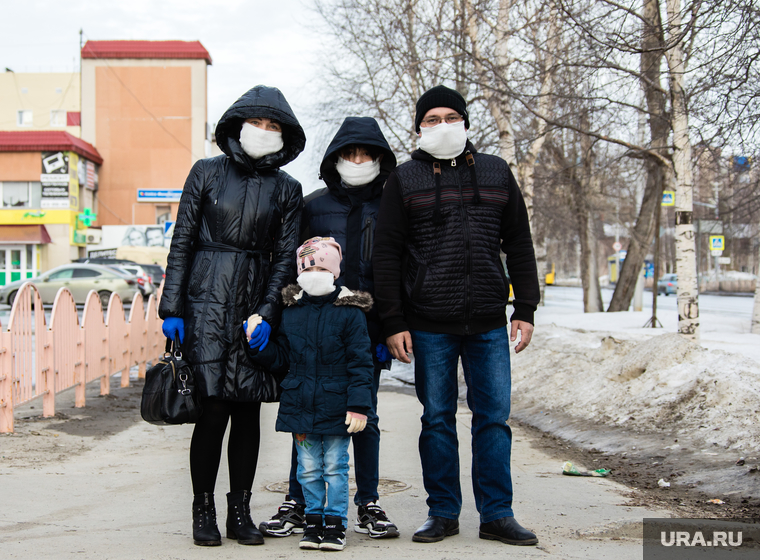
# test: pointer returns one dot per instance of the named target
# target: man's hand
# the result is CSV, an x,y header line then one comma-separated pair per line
x,y
526,332
400,344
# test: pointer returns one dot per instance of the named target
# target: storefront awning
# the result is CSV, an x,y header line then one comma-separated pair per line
x,y
24,235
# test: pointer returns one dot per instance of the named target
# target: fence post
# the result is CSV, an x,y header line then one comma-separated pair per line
x,y
6,392
45,357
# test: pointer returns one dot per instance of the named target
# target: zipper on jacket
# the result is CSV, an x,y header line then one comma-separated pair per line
x,y
367,239
467,259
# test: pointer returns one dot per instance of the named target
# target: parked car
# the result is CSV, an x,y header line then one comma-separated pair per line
x,y
143,278
156,272
667,284
79,279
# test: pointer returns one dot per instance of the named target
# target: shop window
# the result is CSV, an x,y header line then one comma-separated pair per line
x,y
30,261
24,118
15,195
57,118
36,191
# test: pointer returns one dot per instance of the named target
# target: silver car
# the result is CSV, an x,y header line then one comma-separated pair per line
x,y
79,279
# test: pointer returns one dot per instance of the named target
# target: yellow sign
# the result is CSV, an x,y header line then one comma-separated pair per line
x,y
717,243
668,198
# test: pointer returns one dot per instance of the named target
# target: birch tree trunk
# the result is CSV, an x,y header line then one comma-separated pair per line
x,y
686,264
500,107
756,309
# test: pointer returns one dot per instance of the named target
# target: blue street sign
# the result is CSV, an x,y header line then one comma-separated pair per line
x,y
668,198
717,243
158,195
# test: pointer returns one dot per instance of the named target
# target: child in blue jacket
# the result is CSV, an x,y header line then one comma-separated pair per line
x,y
323,349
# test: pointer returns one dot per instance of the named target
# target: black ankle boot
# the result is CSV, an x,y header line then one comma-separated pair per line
x,y
239,523
205,531
312,533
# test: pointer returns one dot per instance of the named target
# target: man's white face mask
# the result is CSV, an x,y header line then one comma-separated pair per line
x,y
316,283
444,141
357,174
257,142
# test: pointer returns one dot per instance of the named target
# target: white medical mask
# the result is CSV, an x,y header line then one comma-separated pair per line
x,y
357,174
316,283
257,142
444,141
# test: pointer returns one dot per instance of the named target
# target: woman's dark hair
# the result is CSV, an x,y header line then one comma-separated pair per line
x,y
373,151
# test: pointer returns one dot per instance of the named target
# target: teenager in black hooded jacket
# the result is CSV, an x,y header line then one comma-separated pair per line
x,y
231,255
355,166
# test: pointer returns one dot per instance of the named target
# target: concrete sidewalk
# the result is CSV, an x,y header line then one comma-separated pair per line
x,y
129,497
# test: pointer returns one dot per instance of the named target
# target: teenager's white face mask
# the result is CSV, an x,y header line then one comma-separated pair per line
x,y
257,142
357,174
444,141
316,283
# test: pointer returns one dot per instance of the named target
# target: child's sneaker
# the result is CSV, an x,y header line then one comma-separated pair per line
x,y
334,536
290,518
312,534
372,519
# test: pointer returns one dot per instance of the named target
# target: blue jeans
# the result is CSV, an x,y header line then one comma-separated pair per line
x,y
366,457
485,359
323,474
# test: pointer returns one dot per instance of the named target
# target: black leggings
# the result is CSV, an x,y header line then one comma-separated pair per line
x,y
242,447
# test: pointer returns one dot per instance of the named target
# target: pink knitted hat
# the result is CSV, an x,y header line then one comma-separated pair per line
x,y
319,251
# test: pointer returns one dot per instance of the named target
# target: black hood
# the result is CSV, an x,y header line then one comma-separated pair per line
x,y
356,130
266,102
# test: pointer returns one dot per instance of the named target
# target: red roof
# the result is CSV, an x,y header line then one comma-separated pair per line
x,y
145,49
47,141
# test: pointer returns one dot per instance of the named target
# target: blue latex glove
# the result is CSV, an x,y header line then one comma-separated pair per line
x,y
383,354
260,336
174,325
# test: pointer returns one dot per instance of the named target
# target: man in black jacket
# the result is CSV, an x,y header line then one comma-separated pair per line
x,y
441,289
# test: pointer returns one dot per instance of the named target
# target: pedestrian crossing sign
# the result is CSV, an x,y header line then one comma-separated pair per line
x,y
668,198
717,243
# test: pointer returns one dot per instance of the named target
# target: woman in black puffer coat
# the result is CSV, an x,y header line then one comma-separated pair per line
x,y
232,253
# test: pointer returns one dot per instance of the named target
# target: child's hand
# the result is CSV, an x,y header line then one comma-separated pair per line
x,y
250,325
356,422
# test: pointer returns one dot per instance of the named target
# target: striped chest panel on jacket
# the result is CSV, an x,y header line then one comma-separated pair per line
x,y
453,271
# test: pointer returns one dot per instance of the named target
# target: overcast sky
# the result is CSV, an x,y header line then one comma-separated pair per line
x,y
251,42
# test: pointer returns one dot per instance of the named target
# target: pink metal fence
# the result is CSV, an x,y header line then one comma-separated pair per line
x,y
39,361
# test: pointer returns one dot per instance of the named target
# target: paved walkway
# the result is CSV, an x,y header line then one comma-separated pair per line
x,y
129,497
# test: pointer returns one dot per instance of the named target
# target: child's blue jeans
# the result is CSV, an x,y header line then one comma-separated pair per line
x,y
323,473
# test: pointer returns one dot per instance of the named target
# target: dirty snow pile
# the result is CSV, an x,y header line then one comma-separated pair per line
x,y
664,382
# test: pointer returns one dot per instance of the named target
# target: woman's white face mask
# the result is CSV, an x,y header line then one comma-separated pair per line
x,y
316,283
444,141
257,142
357,174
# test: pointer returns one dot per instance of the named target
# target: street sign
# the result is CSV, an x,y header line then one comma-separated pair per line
x,y
716,252
158,195
617,246
724,260
717,243
668,198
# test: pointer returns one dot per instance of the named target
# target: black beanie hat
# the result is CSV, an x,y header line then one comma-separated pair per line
x,y
440,96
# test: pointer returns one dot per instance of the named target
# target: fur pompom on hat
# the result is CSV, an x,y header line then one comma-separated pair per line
x,y
319,251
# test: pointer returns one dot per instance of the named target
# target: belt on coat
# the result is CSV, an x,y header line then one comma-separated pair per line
x,y
240,266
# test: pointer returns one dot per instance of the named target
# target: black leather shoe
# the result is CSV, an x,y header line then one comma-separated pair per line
x,y
436,529
507,530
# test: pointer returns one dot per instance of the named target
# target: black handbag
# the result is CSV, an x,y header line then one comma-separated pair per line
x,y
169,395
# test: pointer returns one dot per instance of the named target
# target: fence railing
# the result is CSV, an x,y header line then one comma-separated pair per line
x,y
37,360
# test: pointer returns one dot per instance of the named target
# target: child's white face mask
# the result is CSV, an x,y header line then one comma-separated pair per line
x,y
316,283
